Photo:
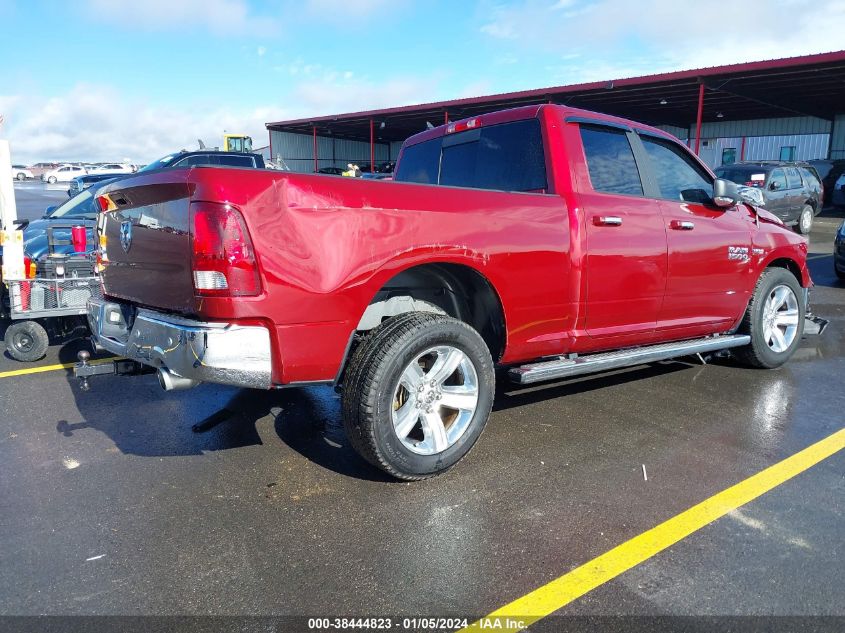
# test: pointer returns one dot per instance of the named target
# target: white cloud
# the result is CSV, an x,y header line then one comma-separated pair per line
x,y
669,35
96,123
261,50
222,17
91,123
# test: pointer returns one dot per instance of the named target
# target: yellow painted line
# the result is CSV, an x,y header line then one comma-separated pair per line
x,y
555,595
44,368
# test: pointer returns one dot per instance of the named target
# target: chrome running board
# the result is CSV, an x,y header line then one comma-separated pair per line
x,y
563,367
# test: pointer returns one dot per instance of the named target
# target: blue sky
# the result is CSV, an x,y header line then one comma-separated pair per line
x,y
109,79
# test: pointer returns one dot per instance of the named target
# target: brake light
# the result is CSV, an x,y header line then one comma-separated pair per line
x,y
466,124
29,268
223,259
754,183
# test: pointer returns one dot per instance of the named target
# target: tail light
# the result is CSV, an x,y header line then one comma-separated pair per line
x,y
223,259
29,268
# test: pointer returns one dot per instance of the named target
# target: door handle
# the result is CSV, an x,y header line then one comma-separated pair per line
x,y
607,220
682,225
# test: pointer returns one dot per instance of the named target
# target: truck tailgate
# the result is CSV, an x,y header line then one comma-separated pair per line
x,y
147,245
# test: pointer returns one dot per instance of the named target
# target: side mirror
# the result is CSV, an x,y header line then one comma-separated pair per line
x,y
725,193
775,185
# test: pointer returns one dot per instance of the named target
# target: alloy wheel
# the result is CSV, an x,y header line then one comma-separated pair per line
x,y
435,400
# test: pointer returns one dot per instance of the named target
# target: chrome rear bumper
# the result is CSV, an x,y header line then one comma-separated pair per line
x,y
207,352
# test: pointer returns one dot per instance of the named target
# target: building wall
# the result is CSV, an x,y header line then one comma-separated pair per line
x,y
837,141
297,151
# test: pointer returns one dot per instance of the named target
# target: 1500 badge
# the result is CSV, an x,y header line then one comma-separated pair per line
x,y
738,253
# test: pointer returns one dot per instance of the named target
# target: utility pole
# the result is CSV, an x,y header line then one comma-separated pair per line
x,y
11,239
8,209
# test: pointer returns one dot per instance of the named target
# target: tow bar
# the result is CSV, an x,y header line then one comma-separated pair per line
x,y
119,366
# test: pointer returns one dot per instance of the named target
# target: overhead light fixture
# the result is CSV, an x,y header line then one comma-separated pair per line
x,y
720,116
381,125
663,102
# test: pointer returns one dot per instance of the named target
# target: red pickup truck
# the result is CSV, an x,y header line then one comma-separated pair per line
x,y
544,240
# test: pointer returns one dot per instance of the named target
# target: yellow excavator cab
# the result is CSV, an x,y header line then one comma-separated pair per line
x,y
237,143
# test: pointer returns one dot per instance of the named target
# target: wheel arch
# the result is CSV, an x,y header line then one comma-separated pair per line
x,y
789,264
456,289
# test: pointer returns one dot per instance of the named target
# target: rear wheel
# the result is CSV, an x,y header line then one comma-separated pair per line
x,y
52,180
21,176
774,319
805,220
417,394
26,341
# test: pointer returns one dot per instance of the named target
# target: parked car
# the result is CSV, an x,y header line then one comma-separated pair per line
x,y
113,168
331,171
65,173
837,194
488,249
207,158
839,251
39,169
792,191
83,182
21,172
829,171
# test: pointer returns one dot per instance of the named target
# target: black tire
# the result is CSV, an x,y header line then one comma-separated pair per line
x,y
839,274
758,353
21,176
52,180
805,220
372,379
26,341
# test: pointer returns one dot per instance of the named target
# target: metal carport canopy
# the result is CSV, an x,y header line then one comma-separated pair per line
x,y
810,85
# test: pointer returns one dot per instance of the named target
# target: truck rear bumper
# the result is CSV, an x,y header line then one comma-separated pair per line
x,y
223,353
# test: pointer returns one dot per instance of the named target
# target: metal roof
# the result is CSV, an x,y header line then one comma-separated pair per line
x,y
811,85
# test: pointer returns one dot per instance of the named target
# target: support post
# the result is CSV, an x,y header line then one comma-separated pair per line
x,y
372,147
270,144
8,209
742,150
698,118
445,117
314,128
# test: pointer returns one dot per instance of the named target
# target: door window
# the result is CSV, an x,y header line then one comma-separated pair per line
x,y
793,178
610,161
777,180
678,176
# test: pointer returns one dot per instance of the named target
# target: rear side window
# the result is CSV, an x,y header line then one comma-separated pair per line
x,y
610,161
777,176
505,157
236,161
196,159
793,178
420,163
678,176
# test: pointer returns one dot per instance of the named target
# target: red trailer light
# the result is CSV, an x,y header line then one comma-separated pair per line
x,y
223,259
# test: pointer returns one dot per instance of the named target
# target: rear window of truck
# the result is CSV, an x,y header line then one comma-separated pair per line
x,y
610,161
504,157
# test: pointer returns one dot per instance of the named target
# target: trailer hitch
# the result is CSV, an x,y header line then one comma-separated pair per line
x,y
84,369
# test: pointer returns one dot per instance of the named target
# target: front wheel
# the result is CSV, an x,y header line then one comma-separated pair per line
x,y
52,180
21,176
774,319
26,341
417,394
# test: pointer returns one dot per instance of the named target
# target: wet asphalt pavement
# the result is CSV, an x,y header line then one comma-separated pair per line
x,y
110,504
